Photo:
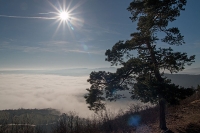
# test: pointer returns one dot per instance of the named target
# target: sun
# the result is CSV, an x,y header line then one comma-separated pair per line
x,y
64,15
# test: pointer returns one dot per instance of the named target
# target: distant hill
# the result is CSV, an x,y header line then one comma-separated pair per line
x,y
184,80
37,116
61,72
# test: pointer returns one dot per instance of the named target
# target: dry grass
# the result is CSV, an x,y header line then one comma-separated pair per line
x,y
183,118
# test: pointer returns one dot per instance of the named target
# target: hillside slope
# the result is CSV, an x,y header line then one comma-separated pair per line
x,y
183,118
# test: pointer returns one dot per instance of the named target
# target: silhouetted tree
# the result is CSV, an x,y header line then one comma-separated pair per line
x,y
143,75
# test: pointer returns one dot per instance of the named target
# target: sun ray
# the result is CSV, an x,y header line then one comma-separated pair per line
x,y
60,22
67,16
69,6
70,10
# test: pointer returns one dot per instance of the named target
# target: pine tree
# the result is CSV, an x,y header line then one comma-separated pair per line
x,y
143,75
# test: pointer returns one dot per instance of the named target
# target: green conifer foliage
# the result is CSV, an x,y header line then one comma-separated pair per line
x,y
143,74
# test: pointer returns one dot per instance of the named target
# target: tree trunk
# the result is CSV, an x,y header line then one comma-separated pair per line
x,y
162,105
162,114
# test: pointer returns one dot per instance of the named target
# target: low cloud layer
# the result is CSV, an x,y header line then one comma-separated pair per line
x,y
62,89
64,93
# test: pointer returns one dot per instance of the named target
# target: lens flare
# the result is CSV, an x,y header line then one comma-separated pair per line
x,y
134,120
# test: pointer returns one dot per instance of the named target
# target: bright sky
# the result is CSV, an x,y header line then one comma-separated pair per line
x,y
33,35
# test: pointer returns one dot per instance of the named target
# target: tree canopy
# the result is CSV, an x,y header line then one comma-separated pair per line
x,y
143,74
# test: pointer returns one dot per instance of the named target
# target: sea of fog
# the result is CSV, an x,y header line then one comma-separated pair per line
x,y
63,90
59,89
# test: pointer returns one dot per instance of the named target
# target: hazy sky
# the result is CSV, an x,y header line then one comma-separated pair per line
x,y
33,37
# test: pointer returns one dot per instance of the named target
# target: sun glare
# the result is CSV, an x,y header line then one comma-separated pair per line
x,y
64,16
